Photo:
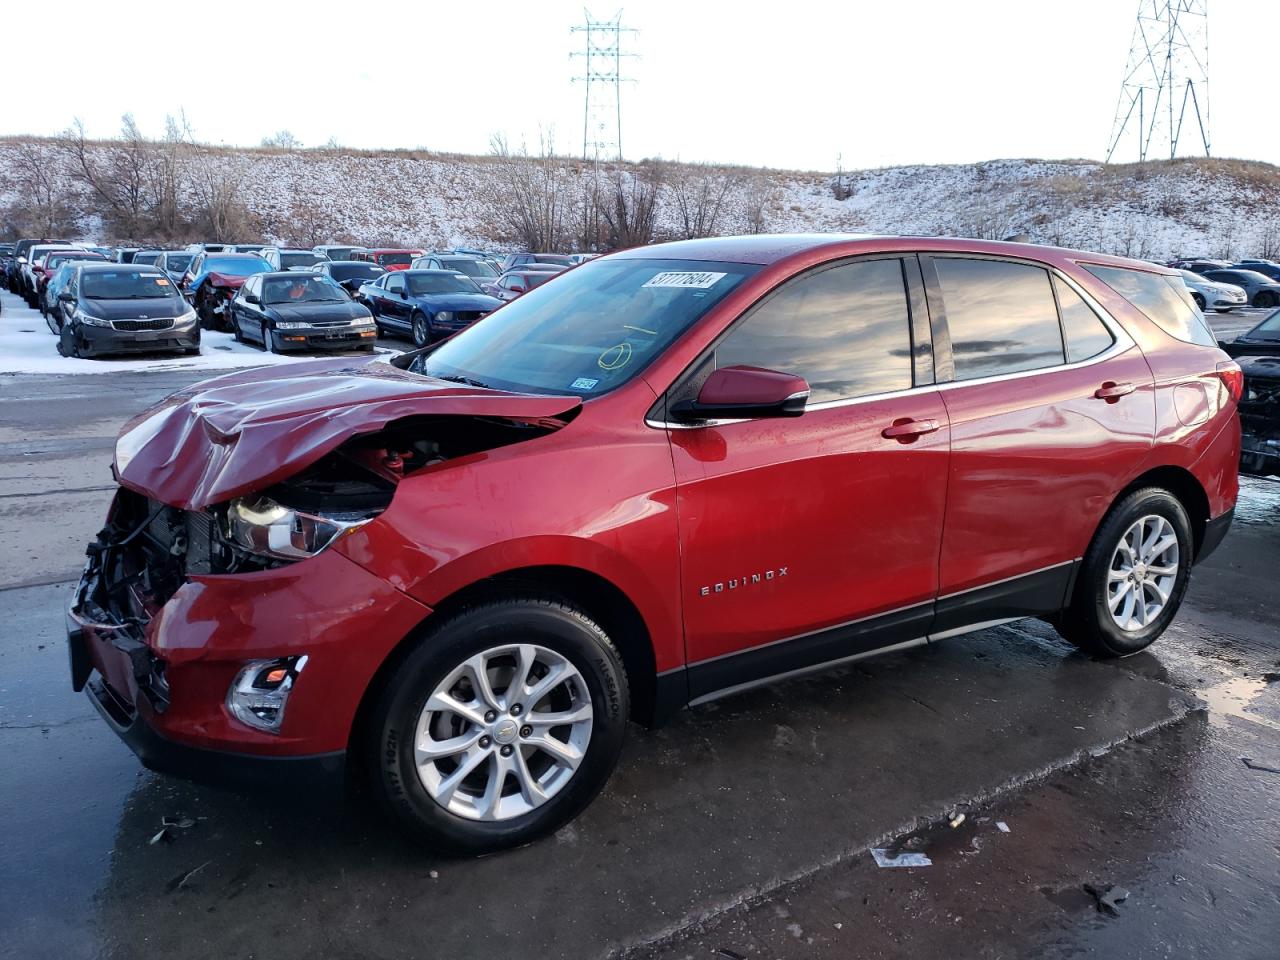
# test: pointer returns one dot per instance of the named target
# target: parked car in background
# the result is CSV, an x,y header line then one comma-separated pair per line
x,y
292,310
1261,341
1261,290
175,263
514,260
578,258
388,258
350,274
480,622
112,308
210,247
33,268
1200,266
427,305
1247,261
1211,295
1269,270
125,254
18,261
288,258
480,271
50,265
336,251
245,248
50,305
1260,410
514,283
211,281
146,257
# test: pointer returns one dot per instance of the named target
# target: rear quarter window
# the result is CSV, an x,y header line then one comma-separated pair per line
x,y
1161,298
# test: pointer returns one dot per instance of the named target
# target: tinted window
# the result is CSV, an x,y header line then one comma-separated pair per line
x,y
177,261
350,269
1268,329
395,259
439,283
395,284
291,260
1164,299
1087,336
1001,316
846,329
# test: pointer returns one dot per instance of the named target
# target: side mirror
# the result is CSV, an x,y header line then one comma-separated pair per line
x,y
252,298
745,392
404,294
66,297
515,289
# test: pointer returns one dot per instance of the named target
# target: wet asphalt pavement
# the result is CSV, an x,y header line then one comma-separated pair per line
x,y
741,829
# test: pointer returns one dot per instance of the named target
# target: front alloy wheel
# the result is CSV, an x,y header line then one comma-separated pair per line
x,y
503,732
421,330
499,725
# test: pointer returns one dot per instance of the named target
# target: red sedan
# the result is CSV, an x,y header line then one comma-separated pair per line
x,y
675,472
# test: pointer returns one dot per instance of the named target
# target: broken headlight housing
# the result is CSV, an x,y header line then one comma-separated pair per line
x,y
260,692
266,528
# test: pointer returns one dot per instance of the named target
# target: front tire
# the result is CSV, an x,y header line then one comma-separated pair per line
x,y
421,330
500,725
1265,298
1200,301
1134,576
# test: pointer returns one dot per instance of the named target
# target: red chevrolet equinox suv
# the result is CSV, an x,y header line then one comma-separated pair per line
x,y
663,476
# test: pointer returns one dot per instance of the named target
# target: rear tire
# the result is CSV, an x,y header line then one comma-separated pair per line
x,y
1265,298
515,793
1125,598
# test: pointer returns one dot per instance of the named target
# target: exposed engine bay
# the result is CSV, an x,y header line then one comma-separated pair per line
x,y
1260,416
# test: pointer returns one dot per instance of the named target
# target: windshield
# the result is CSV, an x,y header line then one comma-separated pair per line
x,y
1268,329
420,283
303,288
59,259
589,332
290,260
126,285
472,268
177,262
553,258
340,253
352,269
237,266
395,259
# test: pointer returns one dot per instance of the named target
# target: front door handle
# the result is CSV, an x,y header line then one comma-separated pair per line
x,y
906,429
1112,391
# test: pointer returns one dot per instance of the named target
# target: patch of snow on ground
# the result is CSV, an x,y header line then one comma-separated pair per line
x,y
28,346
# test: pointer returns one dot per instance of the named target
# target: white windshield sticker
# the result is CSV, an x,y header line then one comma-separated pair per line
x,y
151,274
687,280
583,383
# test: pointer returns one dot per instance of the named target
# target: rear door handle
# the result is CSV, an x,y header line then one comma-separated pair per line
x,y
905,430
1113,391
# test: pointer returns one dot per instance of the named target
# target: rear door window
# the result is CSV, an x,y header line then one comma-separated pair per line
x,y
1163,299
1001,316
845,329
1086,335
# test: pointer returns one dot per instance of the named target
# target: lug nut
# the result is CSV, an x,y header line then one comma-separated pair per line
x,y
516,709
490,716
526,731
485,743
507,751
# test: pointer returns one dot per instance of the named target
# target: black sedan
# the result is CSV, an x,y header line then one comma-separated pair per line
x,y
299,311
426,304
350,274
1262,341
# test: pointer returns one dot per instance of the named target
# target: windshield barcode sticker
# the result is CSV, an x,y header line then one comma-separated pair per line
x,y
583,383
687,280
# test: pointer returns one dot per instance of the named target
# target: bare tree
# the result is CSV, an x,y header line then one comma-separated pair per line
x,y
1269,239
36,177
120,174
754,201
631,205
216,185
699,195
282,139
531,195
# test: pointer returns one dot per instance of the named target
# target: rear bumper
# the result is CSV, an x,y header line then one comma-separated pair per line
x,y
1215,531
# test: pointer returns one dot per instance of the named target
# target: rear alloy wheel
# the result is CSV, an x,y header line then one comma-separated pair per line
x,y
1265,298
500,726
1133,577
421,330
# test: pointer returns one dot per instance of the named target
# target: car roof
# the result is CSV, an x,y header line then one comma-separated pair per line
x,y
112,267
432,273
229,255
765,249
291,274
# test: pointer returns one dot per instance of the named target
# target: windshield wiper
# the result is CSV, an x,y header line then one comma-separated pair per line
x,y
467,380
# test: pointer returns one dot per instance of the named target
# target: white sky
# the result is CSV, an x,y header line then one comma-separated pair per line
x,y
773,84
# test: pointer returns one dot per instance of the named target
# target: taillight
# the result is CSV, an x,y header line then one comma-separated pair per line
x,y
1232,378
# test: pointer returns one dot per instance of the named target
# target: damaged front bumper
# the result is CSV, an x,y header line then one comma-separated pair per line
x,y
157,650
1260,416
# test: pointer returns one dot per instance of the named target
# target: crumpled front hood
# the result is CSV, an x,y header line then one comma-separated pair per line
x,y
246,431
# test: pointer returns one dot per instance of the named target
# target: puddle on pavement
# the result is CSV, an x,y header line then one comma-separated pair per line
x,y
1259,501
1233,697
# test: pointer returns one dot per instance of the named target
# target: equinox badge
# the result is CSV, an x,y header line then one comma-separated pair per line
x,y
742,581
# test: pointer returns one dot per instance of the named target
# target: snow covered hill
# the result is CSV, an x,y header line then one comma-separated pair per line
x,y
1223,208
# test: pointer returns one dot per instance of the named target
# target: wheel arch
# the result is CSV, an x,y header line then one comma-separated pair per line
x,y
591,593
1184,486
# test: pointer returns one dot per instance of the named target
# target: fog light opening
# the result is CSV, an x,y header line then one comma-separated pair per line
x,y
260,692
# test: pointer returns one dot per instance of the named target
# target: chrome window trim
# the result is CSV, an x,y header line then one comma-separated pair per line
x,y
1122,343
